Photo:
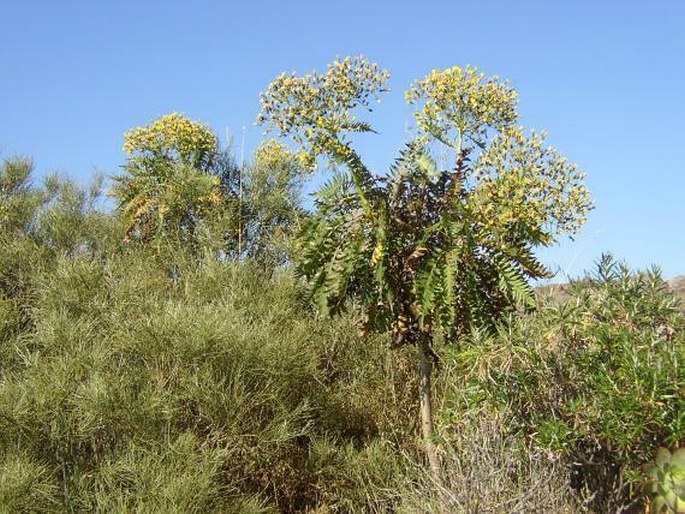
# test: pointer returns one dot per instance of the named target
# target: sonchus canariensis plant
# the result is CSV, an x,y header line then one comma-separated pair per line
x,y
426,251
169,187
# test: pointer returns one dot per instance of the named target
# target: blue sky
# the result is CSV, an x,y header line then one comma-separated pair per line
x,y
606,79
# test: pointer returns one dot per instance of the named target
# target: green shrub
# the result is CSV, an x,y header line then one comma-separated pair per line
x,y
597,376
168,379
212,390
172,379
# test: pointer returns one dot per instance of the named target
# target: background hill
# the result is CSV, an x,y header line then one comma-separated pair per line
x,y
677,285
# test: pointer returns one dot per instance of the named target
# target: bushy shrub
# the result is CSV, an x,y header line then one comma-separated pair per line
x,y
167,379
136,391
597,376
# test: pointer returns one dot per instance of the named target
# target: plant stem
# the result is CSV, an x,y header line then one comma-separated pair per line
x,y
426,406
360,174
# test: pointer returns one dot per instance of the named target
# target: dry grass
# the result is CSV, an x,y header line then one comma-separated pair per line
x,y
488,470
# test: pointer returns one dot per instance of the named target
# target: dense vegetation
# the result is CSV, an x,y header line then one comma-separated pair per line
x,y
166,356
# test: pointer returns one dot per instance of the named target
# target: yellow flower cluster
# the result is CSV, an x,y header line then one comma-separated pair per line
x,y
462,100
274,155
173,136
314,109
520,180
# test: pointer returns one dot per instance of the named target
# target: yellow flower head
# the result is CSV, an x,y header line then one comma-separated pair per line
x,y
462,100
172,136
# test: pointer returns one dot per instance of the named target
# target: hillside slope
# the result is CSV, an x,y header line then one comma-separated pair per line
x,y
678,287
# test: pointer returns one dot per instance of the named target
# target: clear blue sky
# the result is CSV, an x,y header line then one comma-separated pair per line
x,y
606,78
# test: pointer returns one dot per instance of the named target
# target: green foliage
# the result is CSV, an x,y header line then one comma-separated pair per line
x,y
57,217
171,376
161,200
174,381
72,219
171,188
125,387
18,199
665,482
417,264
426,251
596,376
271,211
27,485
179,190
60,214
